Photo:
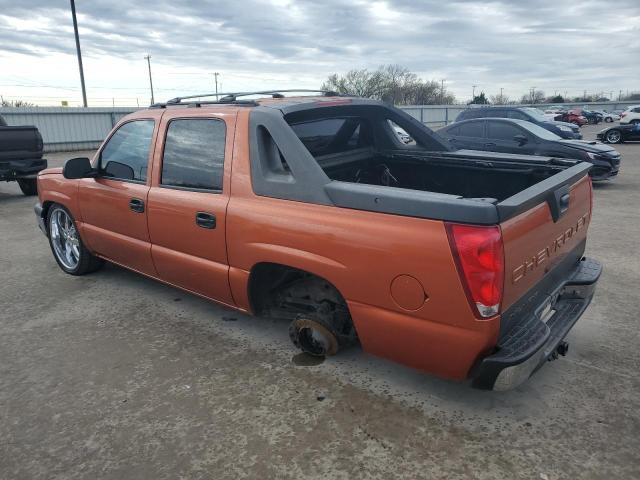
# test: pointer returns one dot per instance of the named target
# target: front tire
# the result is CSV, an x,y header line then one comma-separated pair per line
x,y
67,247
614,136
29,186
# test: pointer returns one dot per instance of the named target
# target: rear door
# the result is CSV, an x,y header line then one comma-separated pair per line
x,y
113,206
188,202
468,135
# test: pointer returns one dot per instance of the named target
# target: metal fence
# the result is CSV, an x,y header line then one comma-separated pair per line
x,y
68,129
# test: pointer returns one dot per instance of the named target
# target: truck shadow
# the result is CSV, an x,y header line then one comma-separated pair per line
x,y
193,320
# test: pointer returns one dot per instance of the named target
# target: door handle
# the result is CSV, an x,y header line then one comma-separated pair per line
x,y
206,220
489,144
136,205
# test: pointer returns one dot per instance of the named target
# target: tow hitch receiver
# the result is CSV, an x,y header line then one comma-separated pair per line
x,y
561,349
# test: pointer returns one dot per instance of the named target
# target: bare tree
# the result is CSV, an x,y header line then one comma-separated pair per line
x,y
390,83
499,99
534,96
16,103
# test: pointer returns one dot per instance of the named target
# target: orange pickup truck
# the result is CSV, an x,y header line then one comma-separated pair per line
x,y
465,264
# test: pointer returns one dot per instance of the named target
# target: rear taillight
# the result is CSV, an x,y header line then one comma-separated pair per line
x,y
479,256
623,114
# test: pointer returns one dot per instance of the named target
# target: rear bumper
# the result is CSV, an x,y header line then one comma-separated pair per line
x,y
532,340
15,169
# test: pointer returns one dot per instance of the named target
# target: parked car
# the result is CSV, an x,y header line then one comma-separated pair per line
x,y
466,265
592,117
21,156
608,117
630,115
620,133
572,117
526,138
563,129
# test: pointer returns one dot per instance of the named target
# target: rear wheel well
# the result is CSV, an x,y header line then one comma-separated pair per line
x,y
281,291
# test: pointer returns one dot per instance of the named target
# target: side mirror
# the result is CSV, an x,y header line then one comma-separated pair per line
x,y
78,168
520,139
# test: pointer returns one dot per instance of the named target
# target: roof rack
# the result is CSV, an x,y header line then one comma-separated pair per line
x,y
232,96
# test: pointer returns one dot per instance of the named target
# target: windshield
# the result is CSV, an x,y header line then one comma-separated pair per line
x,y
535,113
539,131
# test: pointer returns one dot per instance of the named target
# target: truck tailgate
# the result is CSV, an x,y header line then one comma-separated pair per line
x,y
537,240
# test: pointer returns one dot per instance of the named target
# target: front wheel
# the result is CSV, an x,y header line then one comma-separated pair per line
x,y
29,186
608,119
614,136
67,247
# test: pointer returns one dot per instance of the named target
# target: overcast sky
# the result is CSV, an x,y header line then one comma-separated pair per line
x,y
554,45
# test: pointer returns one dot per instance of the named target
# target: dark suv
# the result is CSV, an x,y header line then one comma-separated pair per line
x,y
533,115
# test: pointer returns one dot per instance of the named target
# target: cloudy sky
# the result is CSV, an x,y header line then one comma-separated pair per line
x,y
554,45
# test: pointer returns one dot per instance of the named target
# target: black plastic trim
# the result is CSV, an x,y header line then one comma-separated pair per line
x,y
412,203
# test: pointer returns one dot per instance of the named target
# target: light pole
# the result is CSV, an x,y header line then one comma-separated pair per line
x,y
501,97
75,30
148,58
442,91
215,76
473,94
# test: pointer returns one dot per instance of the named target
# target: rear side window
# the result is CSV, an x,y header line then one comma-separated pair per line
x,y
126,154
517,115
502,131
333,135
471,129
194,154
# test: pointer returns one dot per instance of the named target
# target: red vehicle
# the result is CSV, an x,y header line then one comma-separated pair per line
x,y
465,264
572,116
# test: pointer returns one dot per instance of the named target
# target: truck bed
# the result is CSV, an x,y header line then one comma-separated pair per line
x,y
453,186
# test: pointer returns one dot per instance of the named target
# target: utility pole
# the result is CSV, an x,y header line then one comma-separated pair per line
x,y
584,96
533,89
148,58
215,76
75,30
473,95
442,91
501,97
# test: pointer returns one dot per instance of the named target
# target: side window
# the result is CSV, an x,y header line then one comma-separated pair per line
x,y
453,131
402,136
471,129
126,154
194,154
516,115
502,131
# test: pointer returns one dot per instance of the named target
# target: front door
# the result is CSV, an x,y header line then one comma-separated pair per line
x,y
502,137
113,206
188,203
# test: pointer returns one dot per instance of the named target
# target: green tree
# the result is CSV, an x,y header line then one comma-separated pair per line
x,y
479,100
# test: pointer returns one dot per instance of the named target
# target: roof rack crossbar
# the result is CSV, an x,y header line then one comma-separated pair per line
x,y
231,96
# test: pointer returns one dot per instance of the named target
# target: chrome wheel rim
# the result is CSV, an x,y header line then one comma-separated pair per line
x,y
613,137
64,238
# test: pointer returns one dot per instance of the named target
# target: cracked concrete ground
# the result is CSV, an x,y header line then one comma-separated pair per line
x,y
116,376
